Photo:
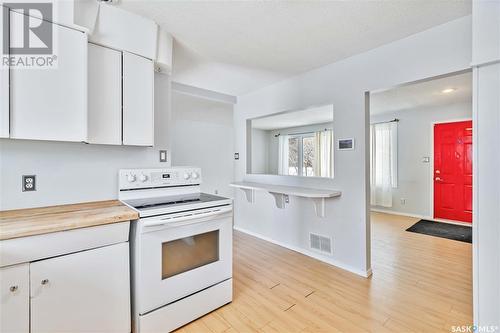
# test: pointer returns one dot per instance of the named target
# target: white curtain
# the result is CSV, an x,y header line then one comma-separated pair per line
x,y
283,155
383,162
323,157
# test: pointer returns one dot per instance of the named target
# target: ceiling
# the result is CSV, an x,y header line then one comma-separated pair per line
x,y
423,95
284,38
311,116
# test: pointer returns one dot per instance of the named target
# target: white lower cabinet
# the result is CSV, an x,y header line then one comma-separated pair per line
x,y
87,291
14,299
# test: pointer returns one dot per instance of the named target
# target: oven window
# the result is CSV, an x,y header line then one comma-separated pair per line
x,y
182,255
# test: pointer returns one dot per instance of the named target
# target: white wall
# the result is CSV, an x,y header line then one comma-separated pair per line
x,y
202,136
443,49
414,143
77,172
260,151
486,218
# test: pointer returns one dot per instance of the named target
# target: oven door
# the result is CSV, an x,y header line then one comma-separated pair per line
x,y
183,253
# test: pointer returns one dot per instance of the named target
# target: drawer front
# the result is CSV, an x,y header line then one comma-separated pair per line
x,y
26,249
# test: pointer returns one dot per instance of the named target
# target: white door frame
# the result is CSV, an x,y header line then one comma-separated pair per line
x,y
431,171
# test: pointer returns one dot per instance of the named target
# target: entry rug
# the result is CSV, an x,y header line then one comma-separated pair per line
x,y
444,230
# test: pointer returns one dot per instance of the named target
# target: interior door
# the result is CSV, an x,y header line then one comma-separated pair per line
x,y
138,109
50,103
453,171
87,291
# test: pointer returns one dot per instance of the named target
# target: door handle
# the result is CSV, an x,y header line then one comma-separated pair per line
x,y
438,179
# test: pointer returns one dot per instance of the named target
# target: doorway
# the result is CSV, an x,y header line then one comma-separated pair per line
x,y
406,162
452,179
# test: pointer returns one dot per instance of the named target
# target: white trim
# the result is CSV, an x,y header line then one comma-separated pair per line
x,y
431,169
203,93
393,212
417,216
308,253
475,197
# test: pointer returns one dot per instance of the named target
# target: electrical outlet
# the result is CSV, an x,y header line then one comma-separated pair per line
x,y
29,183
236,156
163,156
403,201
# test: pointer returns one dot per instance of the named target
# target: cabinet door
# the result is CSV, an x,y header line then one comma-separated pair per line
x,y
51,103
138,76
87,291
14,299
104,95
4,89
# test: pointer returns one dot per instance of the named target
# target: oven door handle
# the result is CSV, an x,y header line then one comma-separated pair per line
x,y
187,219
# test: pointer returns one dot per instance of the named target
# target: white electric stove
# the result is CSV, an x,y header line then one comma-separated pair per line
x,y
181,247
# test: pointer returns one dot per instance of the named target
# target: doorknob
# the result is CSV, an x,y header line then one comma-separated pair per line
x,y
13,289
438,179
45,281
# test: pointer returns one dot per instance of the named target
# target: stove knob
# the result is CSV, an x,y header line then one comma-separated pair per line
x,y
131,178
194,175
143,178
186,176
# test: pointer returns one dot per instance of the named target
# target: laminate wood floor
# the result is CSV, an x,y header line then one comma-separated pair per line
x,y
419,284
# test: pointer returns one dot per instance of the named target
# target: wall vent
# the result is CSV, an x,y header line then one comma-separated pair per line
x,y
320,243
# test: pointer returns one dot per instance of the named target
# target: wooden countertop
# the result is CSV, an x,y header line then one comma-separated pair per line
x,y
37,221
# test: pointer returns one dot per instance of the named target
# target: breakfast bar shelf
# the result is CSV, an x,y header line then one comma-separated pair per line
x,y
281,193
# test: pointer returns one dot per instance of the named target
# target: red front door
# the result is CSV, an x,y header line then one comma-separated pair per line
x,y
453,171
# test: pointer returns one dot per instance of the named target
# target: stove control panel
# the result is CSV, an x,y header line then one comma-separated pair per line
x,y
150,178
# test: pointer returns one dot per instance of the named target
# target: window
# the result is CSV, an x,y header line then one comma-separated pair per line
x,y
307,154
383,162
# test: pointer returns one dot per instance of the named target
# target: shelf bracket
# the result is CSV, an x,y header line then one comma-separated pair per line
x,y
319,206
280,199
250,194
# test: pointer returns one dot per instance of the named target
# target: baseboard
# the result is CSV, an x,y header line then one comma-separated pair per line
x,y
393,212
308,253
422,217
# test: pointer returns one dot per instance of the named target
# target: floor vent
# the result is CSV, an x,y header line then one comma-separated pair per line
x,y
320,243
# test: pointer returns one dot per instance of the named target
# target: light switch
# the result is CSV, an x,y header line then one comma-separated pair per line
x,y
426,159
163,155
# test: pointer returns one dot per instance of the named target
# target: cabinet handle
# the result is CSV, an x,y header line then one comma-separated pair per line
x,y
45,281
13,289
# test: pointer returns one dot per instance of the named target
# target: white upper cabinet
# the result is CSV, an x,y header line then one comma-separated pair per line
x,y
14,299
138,105
51,104
165,51
104,95
4,90
123,30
